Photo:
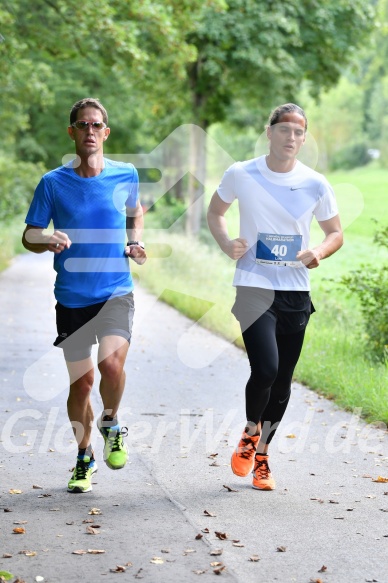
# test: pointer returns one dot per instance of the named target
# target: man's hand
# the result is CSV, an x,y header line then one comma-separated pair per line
x,y
235,248
58,242
309,258
137,253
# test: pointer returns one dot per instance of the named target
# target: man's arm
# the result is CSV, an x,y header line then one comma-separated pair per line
x,y
38,242
134,226
332,242
234,248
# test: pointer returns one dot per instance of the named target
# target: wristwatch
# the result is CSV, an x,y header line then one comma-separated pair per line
x,y
140,243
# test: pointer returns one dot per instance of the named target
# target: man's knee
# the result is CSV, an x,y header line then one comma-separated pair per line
x,y
82,387
111,368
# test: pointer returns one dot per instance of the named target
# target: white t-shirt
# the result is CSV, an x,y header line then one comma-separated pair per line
x,y
276,210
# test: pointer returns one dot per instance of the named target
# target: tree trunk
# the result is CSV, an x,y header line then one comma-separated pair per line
x,y
197,179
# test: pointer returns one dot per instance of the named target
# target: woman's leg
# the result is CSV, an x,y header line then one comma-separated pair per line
x,y
289,349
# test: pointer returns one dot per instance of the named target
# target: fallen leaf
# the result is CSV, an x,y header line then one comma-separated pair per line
x,y
20,521
36,487
157,561
205,530
254,558
207,513
240,545
91,530
316,580
333,501
79,552
6,575
88,521
28,553
215,564
7,510
218,570
322,569
138,574
381,480
229,488
95,552
215,464
339,518
221,535
165,550
188,551
291,436
118,569
19,530
95,511
199,571
7,556
44,495
281,549
216,552
199,536
13,491
213,455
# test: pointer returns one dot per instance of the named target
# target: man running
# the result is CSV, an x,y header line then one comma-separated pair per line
x,y
93,203
278,197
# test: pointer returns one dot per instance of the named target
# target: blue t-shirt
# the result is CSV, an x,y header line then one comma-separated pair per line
x,y
92,211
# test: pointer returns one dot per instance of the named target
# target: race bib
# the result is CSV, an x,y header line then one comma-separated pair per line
x,y
278,249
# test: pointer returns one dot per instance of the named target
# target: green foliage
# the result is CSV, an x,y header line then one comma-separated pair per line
x,y
261,51
370,285
16,178
351,156
165,213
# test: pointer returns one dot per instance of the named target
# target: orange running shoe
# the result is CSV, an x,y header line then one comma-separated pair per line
x,y
262,477
243,456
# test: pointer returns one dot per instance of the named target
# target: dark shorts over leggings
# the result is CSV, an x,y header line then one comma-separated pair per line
x,y
273,325
79,328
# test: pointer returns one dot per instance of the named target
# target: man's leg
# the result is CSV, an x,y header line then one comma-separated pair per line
x,y
79,408
80,413
111,357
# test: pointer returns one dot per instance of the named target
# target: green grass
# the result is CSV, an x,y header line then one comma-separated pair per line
x,y
10,241
196,279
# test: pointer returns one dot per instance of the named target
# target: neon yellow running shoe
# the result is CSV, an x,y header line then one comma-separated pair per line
x,y
81,480
115,449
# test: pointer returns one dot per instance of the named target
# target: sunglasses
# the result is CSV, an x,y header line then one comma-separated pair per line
x,y
84,125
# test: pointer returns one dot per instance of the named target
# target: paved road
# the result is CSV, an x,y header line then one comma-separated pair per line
x,y
159,517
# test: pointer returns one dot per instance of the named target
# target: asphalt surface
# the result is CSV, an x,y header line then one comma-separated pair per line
x,y
176,512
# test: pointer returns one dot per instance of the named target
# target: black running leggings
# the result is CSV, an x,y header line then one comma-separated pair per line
x,y
272,358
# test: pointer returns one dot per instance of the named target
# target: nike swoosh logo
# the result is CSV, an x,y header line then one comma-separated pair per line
x,y
284,400
298,188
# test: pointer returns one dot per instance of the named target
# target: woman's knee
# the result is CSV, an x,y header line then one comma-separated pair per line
x,y
264,376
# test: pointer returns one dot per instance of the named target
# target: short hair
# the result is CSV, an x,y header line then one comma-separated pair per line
x,y
277,113
88,102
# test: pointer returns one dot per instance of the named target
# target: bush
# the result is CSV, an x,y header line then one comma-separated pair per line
x,y
370,284
351,156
